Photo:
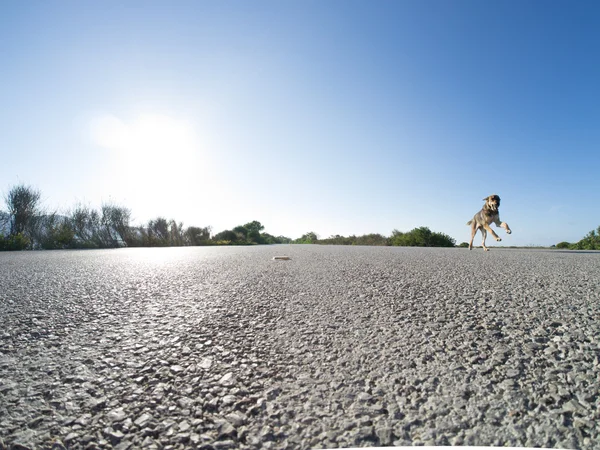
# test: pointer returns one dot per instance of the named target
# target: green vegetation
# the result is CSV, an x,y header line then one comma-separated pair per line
x,y
249,234
367,239
421,237
418,237
14,242
26,225
308,238
591,241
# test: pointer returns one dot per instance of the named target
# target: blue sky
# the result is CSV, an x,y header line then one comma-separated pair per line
x,y
339,117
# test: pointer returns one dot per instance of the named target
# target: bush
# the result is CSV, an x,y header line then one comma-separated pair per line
x,y
227,235
373,239
421,237
591,241
307,238
197,236
338,240
14,242
55,233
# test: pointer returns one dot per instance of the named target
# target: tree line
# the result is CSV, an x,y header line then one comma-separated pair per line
x,y
417,237
27,225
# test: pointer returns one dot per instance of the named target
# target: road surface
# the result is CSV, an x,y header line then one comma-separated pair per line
x,y
336,347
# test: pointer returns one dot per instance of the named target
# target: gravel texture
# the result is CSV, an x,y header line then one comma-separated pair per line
x,y
219,348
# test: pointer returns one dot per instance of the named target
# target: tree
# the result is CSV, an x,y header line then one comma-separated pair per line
x,y
55,232
251,232
115,220
242,231
226,236
23,204
255,225
396,237
197,236
307,238
104,229
175,233
591,241
267,238
4,223
81,221
158,232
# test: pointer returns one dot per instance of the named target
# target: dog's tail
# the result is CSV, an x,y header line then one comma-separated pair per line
x,y
470,222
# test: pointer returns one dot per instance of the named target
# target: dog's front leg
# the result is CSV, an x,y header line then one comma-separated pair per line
x,y
503,225
492,232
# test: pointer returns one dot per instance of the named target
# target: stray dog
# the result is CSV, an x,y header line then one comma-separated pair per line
x,y
482,220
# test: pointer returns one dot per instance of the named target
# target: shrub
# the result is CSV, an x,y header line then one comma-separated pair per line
x,y
307,238
563,245
14,242
421,237
55,232
227,235
591,241
371,239
197,236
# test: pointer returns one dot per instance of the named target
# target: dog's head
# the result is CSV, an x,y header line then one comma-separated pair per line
x,y
492,202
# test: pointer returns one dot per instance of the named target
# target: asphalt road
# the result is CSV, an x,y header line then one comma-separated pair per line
x,y
336,347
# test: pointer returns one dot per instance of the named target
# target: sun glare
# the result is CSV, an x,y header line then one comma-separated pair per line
x,y
147,135
152,156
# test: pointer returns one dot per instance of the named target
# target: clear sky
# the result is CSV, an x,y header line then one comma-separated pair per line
x,y
338,117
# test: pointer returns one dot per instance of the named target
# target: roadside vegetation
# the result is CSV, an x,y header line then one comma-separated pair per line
x,y
590,241
418,237
27,225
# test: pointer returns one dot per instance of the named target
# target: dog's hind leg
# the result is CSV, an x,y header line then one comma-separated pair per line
x,y
484,235
473,232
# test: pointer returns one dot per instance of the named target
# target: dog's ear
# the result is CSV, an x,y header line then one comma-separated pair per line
x,y
486,199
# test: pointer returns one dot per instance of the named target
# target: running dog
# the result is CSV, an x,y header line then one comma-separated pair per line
x,y
482,220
